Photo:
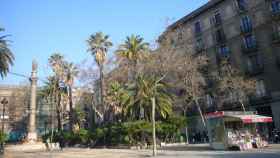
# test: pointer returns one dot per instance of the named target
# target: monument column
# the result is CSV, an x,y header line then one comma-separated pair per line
x,y
32,134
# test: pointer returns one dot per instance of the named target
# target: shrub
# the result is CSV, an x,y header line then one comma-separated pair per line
x,y
3,137
130,133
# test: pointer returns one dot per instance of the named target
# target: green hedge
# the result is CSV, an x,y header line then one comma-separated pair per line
x,y
129,133
3,137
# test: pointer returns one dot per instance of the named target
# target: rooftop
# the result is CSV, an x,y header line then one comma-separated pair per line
x,y
193,14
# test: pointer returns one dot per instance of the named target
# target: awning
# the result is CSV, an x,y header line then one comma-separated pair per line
x,y
245,117
252,118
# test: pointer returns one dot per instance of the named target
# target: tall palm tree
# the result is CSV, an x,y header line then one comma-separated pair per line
x,y
56,62
71,71
146,89
48,92
6,56
133,50
99,43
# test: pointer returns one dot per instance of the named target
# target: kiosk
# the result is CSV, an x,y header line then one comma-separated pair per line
x,y
229,130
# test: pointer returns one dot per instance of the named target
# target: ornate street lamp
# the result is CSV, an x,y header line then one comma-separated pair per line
x,y
4,102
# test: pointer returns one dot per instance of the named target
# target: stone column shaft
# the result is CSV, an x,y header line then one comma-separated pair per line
x,y
32,135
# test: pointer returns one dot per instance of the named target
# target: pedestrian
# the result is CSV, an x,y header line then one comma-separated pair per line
x,y
61,141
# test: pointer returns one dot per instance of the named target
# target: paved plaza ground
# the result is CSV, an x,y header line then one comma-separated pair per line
x,y
174,152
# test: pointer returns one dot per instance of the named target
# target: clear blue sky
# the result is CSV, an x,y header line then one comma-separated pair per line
x,y
42,27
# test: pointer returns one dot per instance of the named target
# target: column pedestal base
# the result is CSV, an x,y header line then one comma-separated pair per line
x,y
29,146
32,137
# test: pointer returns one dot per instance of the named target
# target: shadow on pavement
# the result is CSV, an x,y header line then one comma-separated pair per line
x,y
241,155
191,147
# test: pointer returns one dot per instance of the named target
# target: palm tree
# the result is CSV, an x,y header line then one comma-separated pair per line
x,y
146,89
118,98
99,44
133,50
56,61
48,92
71,72
6,56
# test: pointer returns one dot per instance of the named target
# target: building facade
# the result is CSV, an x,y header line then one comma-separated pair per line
x,y
245,31
15,112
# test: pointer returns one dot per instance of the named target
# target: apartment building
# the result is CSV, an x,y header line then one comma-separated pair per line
x,y
16,111
245,31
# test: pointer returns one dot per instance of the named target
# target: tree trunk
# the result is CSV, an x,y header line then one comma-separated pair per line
x,y
186,129
52,119
243,106
200,112
58,110
154,126
102,91
102,97
71,114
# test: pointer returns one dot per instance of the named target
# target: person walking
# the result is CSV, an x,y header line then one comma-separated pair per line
x,y
61,141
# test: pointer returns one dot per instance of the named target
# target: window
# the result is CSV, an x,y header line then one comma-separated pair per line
x,y
242,4
246,24
209,100
216,19
275,6
224,51
250,41
233,97
199,44
260,88
197,28
255,63
220,36
276,28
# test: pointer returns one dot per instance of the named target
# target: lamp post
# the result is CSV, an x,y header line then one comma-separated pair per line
x,y
4,102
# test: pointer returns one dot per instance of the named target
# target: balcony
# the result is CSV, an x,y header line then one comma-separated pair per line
x,y
275,15
199,49
278,61
242,8
198,33
220,58
222,54
256,70
221,40
259,100
249,49
245,30
276,38
216,21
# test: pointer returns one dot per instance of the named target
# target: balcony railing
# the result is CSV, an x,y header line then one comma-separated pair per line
x,y
275,15
278,61
221,40
257,100
276,38
256,70
246,29
249,49
242,8
217,21
200,49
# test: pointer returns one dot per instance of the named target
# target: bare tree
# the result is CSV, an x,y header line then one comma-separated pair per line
x,y
233,84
